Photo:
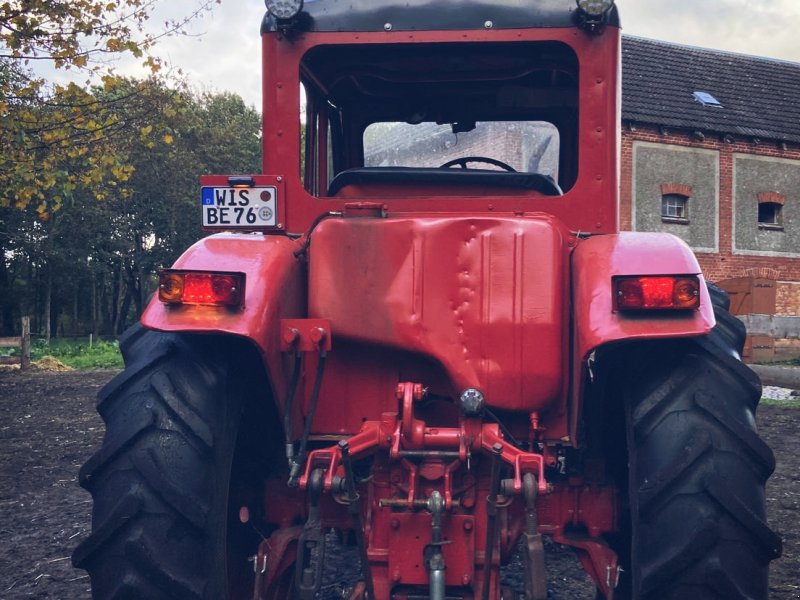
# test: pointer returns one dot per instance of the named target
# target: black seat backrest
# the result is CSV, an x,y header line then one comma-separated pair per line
x,y
443,177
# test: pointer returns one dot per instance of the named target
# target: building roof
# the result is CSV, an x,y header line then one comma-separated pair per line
x,y
758,96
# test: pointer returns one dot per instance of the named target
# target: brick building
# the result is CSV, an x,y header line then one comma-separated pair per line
x,y
711,153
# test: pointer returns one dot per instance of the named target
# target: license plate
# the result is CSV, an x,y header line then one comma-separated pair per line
x,y
243,208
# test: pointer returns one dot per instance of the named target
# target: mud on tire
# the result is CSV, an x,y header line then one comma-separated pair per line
x,y
162,523
697,469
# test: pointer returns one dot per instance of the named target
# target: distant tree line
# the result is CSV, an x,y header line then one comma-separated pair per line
x,y
80,258
99,183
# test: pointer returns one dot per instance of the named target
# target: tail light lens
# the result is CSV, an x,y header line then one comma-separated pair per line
x,y
656,293
201,287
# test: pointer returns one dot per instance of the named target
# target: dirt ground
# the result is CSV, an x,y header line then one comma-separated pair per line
x,y
48,428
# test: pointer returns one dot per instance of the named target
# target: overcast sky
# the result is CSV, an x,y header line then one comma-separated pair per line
x,y
222,52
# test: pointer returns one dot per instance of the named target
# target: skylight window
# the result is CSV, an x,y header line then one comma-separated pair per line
x,y
706,99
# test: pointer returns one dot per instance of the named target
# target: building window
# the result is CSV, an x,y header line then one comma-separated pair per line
x,y
674,208
675,202
769,213
770,209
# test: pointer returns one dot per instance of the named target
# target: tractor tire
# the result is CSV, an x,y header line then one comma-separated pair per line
x,y
164,521
697,469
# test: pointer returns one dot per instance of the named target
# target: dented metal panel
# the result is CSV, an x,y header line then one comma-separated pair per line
x,y
484,297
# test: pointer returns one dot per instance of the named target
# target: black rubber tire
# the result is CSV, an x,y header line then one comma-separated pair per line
x,y
697,469
162,523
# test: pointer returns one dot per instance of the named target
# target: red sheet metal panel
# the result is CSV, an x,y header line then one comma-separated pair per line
x,y
412,532
600,258
485,297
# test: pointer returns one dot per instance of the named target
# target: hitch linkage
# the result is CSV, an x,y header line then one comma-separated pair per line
x,y
405,438
311,545
434,558
354,507
491,523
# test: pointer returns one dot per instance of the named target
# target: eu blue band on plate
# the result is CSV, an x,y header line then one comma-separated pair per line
x,y
208,197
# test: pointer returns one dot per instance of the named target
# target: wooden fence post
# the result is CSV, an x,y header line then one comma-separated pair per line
x,y
25,344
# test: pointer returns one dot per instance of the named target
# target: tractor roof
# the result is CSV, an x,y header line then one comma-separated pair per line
x,y
434,15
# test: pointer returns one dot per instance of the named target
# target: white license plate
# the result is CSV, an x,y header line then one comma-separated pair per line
x,y
245,208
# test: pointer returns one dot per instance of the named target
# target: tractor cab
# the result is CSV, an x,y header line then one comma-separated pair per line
x,y
470,107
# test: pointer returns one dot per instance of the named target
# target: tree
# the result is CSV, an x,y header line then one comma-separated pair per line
x,y
74,33
212,133
41,126
92,260
59,145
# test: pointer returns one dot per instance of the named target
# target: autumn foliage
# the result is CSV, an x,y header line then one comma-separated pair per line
x,y
98,177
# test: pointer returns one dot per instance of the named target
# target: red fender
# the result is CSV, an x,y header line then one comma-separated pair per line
x,y
274,290
598,259
595,261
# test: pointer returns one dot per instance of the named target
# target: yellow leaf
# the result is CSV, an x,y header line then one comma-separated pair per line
x,y
168,139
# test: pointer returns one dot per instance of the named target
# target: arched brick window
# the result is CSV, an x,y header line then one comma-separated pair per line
x,y
675,202
770,209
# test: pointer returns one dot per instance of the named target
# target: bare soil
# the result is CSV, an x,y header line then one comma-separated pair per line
x,y
49,427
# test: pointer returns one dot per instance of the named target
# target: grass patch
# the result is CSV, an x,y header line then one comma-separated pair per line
x,y
795,362
79,355
794,403
792,362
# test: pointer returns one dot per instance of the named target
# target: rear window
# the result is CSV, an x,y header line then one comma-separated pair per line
x,y
525,146
417,107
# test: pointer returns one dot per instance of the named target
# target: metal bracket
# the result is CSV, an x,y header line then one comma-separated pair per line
x,y
599,561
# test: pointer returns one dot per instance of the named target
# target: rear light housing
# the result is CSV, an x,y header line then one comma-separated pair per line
x,y
641,293
205,288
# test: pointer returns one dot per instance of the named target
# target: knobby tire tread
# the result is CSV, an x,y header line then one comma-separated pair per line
x,y
156,481
698,469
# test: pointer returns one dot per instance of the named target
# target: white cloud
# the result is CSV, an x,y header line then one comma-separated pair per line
x,y
228,57
759,28
219,50
222,49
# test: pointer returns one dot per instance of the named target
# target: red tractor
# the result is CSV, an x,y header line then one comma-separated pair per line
x,y
420,339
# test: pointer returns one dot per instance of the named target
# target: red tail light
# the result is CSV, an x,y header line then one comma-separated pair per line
x,y
200,287
656,293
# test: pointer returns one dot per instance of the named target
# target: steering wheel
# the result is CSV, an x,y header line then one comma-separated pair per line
x,y
462,161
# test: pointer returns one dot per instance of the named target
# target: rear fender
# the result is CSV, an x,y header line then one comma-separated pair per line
x,y
594,262
274,290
